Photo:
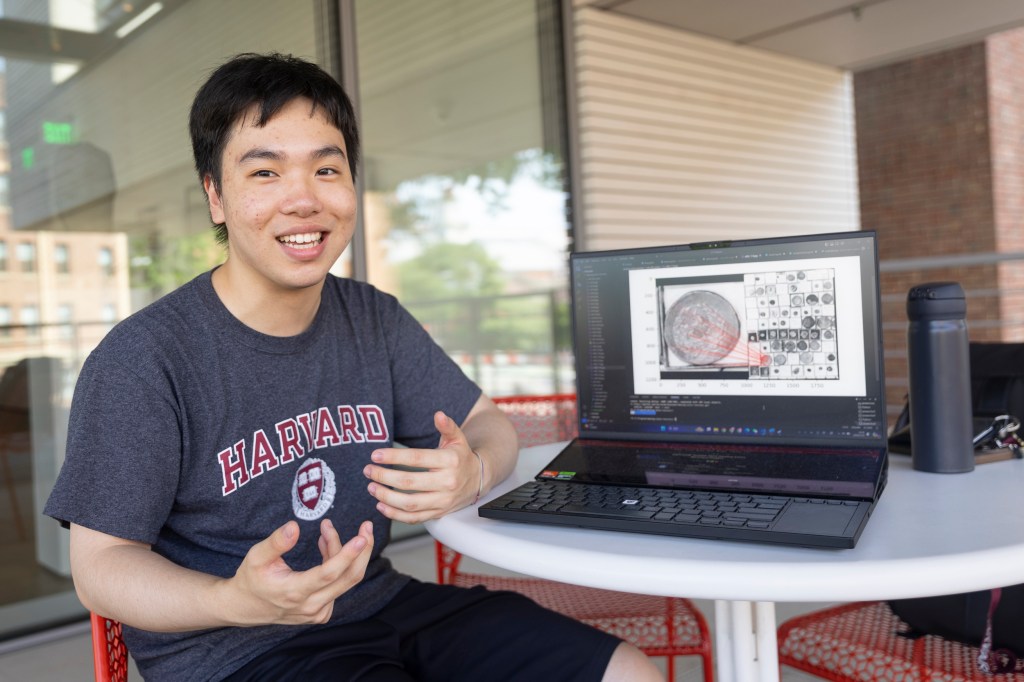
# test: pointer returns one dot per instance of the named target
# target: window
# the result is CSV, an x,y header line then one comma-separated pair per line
x,y
122,109
27,256
30,318
60,258
5,320
106,261
3,256
465,207
487,142
65,316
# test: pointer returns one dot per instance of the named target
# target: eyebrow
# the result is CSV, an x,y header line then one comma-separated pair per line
x,y
272,155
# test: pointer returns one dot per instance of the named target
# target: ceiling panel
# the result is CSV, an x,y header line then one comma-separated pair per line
x,y
848,35
732,20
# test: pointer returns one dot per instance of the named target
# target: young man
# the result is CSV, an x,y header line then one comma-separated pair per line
x,y
225,439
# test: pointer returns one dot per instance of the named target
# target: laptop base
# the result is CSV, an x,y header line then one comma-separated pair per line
x,y
771,519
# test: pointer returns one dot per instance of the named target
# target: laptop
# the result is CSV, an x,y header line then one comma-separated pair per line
x,y
731,390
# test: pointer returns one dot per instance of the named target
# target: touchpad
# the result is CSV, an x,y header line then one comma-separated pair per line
x,y
815,519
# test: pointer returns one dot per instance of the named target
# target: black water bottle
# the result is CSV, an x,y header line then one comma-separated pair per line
x,y
940,379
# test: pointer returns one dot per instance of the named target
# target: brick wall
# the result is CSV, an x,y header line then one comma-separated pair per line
x,y
1005,53
927,184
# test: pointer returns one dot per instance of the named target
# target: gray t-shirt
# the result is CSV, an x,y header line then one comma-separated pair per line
x,y
200,436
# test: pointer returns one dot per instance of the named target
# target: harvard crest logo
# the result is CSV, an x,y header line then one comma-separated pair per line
x,y
313,490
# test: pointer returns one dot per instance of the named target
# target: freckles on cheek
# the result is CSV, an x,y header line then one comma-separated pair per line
x,y
252,209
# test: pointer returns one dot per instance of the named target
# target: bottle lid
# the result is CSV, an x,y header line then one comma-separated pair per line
x,y
936,301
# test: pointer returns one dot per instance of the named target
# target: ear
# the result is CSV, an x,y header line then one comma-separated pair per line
x,y
216,204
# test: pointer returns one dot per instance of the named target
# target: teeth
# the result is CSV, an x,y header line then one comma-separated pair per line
x,y
309,237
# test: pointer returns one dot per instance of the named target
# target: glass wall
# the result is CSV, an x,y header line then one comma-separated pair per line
x,y
103,215
100,211
464,185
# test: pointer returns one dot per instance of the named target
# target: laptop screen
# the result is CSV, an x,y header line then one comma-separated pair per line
x,y
766,341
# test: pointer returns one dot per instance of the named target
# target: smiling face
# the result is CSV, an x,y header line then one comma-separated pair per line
x,y
288,199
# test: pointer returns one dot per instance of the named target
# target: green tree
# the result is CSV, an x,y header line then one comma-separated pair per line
x,y
448,271
162,265
450,288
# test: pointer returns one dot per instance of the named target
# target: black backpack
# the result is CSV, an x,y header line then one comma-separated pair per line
x,y
997,388
962,617
997,379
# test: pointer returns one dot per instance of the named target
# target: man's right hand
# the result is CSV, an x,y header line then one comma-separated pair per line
x,y
266,590
127,581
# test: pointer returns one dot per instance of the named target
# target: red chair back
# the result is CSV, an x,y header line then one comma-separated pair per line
x,y
541,419
109,653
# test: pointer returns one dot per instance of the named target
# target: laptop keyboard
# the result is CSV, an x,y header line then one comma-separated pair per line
x,y
670,506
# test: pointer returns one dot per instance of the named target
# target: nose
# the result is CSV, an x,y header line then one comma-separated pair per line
x,y
301,198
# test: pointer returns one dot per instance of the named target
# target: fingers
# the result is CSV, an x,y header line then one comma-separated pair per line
x,y
346,568
344,553
449,430
444,457
340,571
266,590
353,548
329,542
410,507
440,477
279,543
394,478
437,486
418,458
412,497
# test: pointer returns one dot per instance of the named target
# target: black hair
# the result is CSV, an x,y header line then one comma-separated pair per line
x,y
269,82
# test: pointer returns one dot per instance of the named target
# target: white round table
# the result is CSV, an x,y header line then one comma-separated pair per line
x,y
930,534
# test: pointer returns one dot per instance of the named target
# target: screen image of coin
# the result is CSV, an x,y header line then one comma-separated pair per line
x,y
702,327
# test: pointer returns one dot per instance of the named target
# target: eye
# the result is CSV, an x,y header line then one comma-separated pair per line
x,y
263,174
327,171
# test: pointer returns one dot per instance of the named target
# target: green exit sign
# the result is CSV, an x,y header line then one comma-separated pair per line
x,y
28,157
55,132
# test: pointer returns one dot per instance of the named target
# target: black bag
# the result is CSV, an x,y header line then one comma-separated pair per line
x,y
997,388
962,617
997,379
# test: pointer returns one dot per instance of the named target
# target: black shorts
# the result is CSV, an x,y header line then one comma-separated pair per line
x,y
443,633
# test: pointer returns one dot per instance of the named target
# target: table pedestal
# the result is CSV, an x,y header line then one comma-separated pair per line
x,y
746,645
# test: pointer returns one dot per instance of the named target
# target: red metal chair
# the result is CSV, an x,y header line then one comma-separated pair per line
x,y
859,642
658,626
109,654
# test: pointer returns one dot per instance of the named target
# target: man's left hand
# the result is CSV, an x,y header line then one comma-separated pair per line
x,y
442,481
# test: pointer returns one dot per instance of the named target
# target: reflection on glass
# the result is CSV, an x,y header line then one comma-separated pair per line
x,y
464,211
104,215
87,16
105,259
27,256
464,204
60,259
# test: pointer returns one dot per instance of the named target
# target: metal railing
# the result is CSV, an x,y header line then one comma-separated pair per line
x,y
509,344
